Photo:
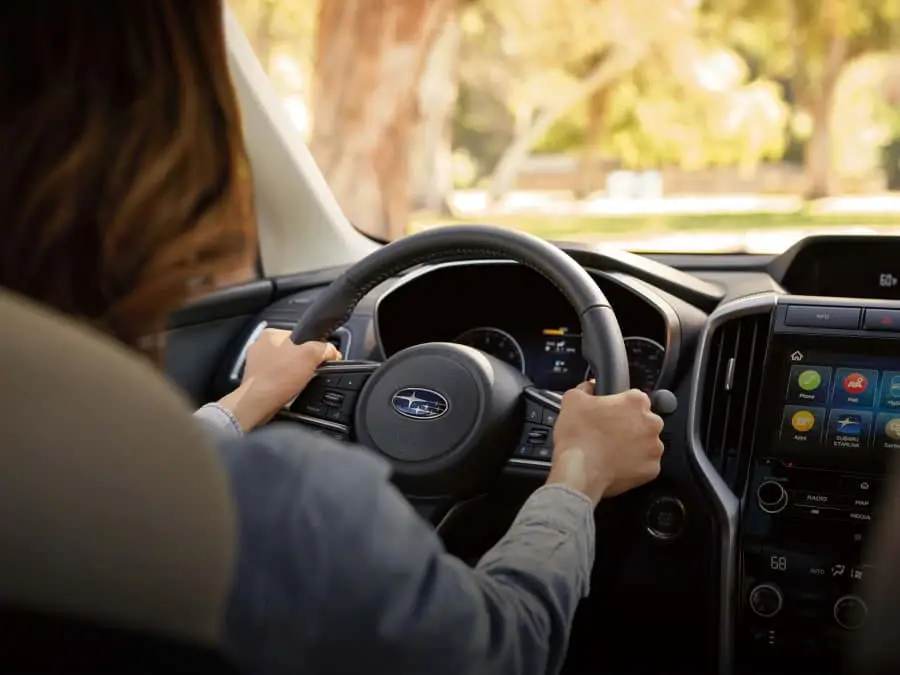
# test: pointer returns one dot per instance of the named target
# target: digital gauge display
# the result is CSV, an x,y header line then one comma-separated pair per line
x,y
498,343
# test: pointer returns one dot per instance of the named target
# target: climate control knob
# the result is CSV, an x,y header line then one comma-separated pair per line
x,y
766,600
771,496
850,612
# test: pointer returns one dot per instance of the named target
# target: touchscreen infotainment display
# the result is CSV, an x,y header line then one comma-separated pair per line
x,y
840,405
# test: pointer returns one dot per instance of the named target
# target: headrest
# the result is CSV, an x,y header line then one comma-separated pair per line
x,y
113,505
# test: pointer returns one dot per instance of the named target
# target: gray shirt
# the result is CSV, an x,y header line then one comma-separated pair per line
x,y
338,574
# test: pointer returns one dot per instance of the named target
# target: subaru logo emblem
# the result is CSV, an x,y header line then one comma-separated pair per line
x,y
420,404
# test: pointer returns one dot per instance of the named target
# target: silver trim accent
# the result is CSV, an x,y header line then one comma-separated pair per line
x,y
665,536
774,507
346,342
536,463
314,421
770,587
235,375
729,373
239,363
500,332
862,604
726,504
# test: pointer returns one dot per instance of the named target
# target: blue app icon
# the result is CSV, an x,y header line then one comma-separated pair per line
x,y
894,386
890,390
849,424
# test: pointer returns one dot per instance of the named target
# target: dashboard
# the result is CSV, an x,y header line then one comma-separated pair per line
x,y
516,315
748,554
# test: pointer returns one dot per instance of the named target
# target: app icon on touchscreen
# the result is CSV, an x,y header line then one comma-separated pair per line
x,y
892,429
809,380
854,387
803,421
850,425
856,384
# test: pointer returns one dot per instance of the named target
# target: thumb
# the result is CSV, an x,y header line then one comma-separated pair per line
x,y
316,353
587,387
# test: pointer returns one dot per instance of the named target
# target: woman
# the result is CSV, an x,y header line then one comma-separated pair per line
x,y
126,194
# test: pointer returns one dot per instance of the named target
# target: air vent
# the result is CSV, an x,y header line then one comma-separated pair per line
x,y
730,398
340,339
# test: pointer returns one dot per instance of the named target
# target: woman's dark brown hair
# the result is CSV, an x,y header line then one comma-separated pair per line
x,y
124,186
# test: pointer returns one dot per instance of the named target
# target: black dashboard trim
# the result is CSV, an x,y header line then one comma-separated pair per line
x,y
691,289
225,303
779,267
725,504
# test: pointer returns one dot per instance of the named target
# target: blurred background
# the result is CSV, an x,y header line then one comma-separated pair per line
x,y
655,125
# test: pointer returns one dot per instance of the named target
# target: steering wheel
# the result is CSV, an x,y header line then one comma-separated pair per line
x,y
448,416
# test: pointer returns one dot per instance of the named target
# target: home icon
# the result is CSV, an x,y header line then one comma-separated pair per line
x,y
797,356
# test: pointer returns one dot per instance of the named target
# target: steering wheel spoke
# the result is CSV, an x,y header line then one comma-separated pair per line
x,y
328,403
535,446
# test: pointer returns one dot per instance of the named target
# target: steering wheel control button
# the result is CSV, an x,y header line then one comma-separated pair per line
x,y
771,497
666,518
544,453
525,451
352,381
536,435
766,600
850,612
331,380
815,316
533,413
549,418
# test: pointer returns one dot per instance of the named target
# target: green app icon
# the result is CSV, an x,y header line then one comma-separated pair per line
x,y
809,380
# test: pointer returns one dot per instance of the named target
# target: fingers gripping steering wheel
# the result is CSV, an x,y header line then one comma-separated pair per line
x,y
448,416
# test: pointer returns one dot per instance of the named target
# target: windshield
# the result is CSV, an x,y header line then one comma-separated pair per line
x,y
654,125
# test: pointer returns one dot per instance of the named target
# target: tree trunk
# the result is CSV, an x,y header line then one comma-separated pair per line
x,y
818,162
607,71
431,160
370,58
586,174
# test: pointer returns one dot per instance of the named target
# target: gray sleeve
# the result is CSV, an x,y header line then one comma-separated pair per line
x,y
338,574
220,421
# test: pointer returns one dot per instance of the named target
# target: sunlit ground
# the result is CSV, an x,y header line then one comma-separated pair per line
x,y
746,223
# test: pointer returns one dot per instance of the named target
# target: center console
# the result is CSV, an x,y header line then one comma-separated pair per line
x,y
828,424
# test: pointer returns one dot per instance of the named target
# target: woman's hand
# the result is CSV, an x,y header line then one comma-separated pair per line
x,y
275,372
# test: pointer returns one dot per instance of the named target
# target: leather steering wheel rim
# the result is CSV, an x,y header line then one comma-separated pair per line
x,y
602,345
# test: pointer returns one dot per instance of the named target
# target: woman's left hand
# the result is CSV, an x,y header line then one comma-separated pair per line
x,y
275,372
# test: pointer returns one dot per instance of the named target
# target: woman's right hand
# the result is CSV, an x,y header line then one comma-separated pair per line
x,y
605,445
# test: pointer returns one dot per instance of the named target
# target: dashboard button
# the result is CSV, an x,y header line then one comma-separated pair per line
x,y
882,319
812,316
850,612
353,381
766,600
536,435
549,418
533,413
331,380
771,496
543,453
858,487
524,451
665,518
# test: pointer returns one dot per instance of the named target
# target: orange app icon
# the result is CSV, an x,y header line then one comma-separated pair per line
x,y
803,421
